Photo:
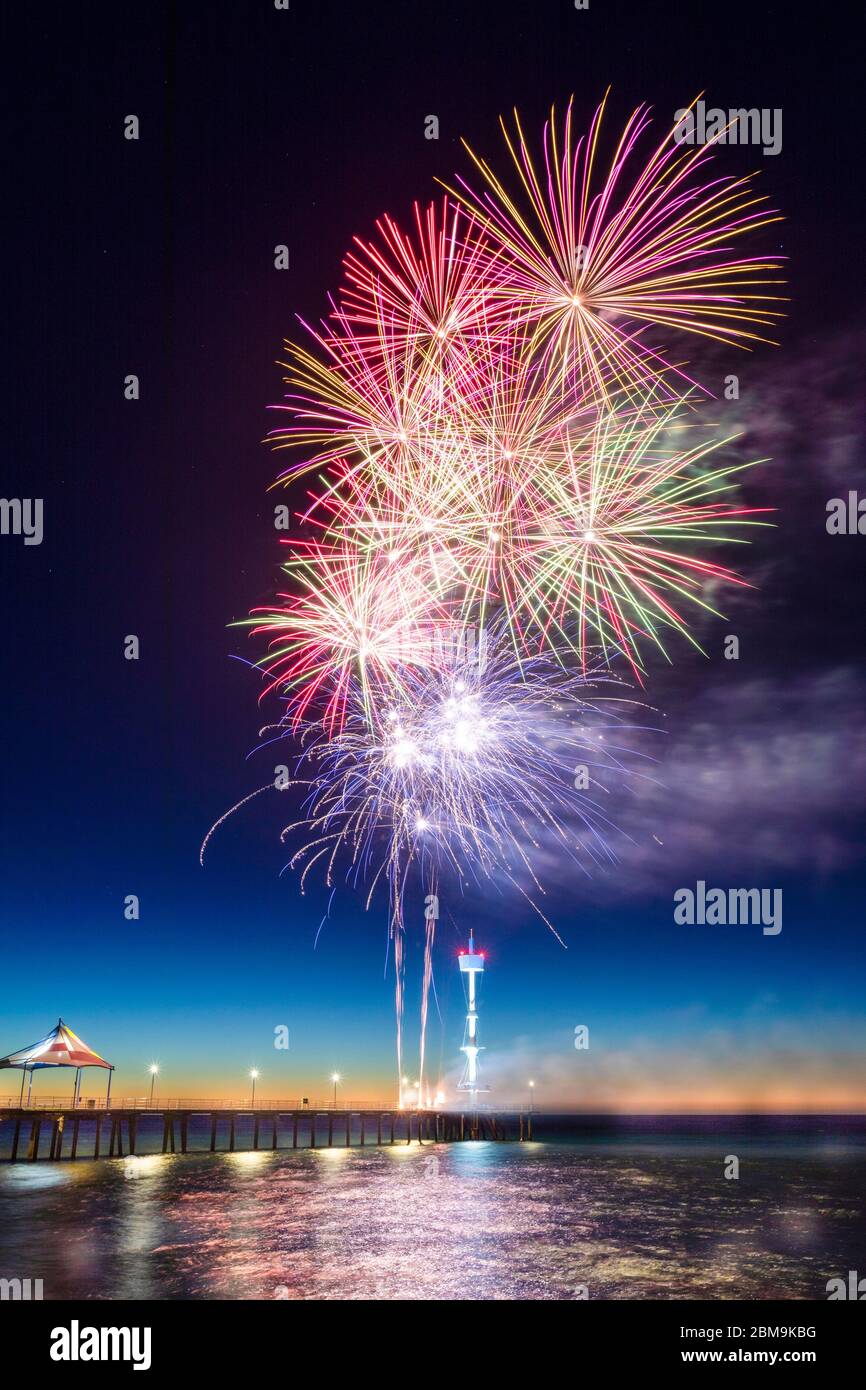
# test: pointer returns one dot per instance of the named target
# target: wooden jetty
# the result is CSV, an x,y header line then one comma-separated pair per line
x,y
118,1132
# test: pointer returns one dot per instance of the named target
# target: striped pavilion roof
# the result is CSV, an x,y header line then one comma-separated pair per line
x,y
60,1048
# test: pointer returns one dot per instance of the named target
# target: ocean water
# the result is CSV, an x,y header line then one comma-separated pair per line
x,y
637,1214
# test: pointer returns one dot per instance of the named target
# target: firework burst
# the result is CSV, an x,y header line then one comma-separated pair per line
x,y
508,493
595,252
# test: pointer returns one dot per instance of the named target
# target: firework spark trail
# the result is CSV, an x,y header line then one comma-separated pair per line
x,y
466,768
430,915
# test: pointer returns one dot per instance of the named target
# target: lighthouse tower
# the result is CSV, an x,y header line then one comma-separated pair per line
x,y
471,965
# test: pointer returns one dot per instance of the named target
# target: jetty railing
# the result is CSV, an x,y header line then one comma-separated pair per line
x,y
191,1103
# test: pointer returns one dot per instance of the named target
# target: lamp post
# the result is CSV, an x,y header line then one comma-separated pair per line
x,y
335,1076
253,1076
154,1072
531,1087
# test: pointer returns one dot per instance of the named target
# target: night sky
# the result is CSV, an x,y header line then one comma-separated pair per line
x,y
155,257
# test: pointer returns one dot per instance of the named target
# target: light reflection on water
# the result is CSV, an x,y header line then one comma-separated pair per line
x,y
483,1221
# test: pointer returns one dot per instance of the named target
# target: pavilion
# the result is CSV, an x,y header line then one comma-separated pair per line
x,y
60,1048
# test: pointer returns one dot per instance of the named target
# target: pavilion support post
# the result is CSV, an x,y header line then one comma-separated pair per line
x,y
108,1089
21,1092
30,1088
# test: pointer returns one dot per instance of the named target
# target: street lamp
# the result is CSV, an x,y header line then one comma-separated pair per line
x,y
253,1076
531,1087
335,1076
154,1072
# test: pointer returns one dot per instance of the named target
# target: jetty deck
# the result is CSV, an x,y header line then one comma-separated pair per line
x,y
66,1133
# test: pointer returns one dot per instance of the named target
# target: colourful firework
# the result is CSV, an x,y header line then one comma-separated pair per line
x,y
592,258
490,428
511,495
465,763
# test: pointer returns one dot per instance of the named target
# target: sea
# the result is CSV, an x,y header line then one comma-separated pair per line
x,y
593,1207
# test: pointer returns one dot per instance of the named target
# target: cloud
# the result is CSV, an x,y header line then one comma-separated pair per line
x,y
765,776
804,413
756,1061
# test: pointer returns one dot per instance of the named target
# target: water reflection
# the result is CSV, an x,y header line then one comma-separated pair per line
x,y
531,1221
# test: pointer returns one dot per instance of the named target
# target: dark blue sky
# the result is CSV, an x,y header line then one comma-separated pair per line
x,y
156,257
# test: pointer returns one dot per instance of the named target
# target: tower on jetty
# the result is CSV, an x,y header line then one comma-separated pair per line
x,y
471,965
